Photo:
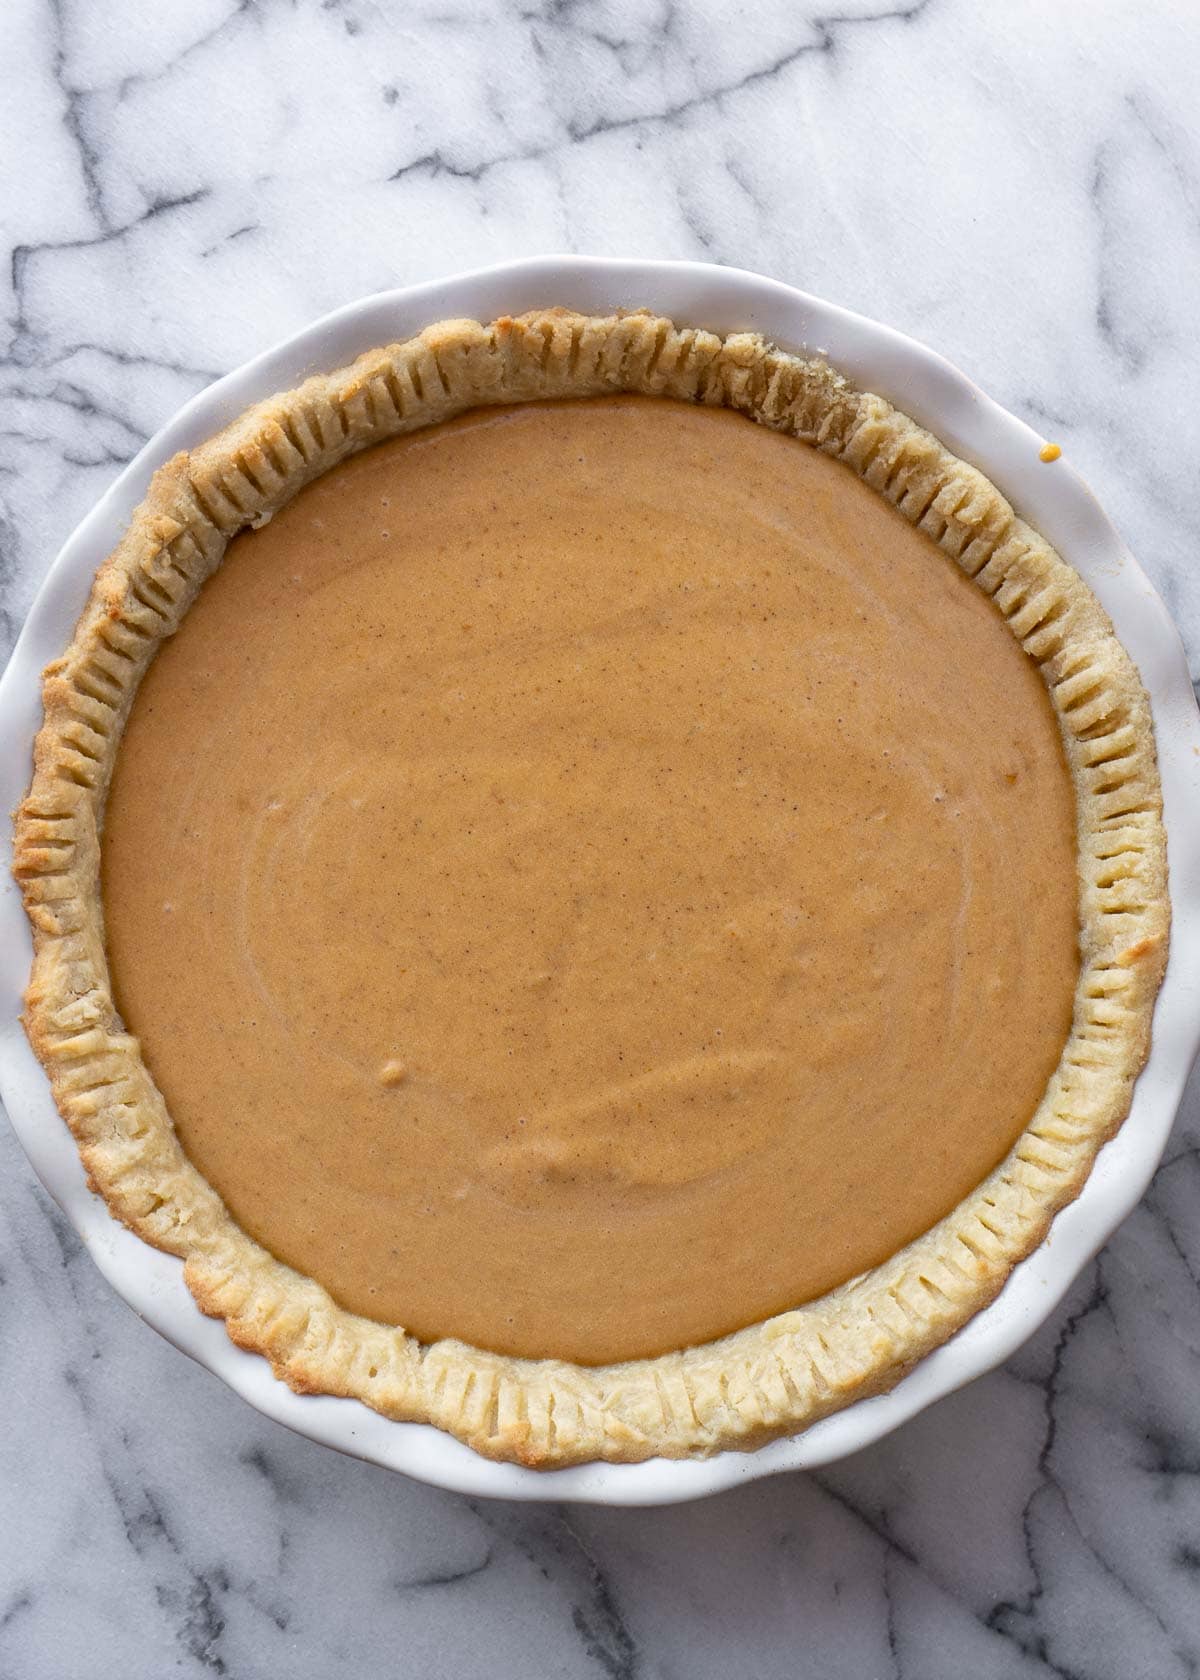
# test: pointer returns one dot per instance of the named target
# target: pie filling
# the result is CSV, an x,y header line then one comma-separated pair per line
x,y
589,876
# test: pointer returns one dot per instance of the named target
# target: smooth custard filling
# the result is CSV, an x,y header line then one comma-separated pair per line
x,y
589,876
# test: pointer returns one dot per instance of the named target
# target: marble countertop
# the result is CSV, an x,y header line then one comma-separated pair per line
x,y
1016,184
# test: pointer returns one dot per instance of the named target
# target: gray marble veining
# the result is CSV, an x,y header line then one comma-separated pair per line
x,y
1018,185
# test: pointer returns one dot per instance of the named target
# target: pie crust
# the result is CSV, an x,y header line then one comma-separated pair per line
x,y
773,1378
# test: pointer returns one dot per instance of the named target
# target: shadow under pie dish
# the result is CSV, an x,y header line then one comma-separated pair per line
x,y
663,907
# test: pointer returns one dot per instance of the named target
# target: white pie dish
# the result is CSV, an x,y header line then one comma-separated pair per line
x,y
1051,498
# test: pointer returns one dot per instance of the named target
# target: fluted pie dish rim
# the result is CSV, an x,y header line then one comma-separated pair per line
x,y
790,1374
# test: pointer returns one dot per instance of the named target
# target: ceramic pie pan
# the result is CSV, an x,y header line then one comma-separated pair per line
x,y
1052,498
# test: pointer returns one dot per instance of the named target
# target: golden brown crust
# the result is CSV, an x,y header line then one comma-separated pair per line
x,y
773,1378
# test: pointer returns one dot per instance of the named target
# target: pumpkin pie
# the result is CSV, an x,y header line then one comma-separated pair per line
x,y
593,882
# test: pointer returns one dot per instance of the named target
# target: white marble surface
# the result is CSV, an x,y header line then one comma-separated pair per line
x,y
1019,185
